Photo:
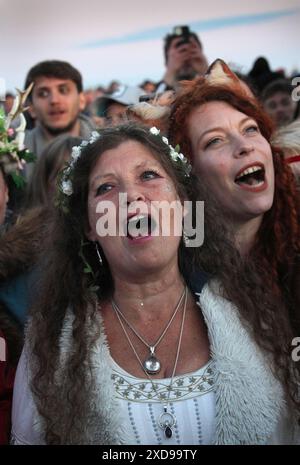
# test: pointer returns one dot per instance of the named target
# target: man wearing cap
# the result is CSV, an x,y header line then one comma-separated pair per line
x,y
113,106
184,58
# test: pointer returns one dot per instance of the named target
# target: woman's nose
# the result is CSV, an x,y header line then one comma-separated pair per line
x,y
134,194
243,147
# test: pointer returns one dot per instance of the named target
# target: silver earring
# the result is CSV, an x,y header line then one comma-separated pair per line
x,y
185,238
98,253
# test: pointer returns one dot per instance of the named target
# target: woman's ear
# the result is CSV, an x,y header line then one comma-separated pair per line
x,y
90,234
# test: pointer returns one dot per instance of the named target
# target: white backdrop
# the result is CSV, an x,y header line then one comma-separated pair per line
x,y
122,40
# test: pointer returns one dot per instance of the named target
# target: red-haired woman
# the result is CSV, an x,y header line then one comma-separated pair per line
x,y
224,131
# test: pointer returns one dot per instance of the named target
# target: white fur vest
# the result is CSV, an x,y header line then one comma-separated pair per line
x,y
250,405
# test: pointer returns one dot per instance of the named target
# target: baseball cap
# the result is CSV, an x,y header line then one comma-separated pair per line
x,y
125,95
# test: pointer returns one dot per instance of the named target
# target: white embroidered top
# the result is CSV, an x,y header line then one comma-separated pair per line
x,y
251,407
191,401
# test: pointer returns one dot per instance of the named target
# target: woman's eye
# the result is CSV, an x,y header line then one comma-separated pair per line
x,y
150,175
213,141
252,128
103,189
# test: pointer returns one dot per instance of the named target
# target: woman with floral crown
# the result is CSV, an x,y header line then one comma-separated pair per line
x,y
226,135
119,350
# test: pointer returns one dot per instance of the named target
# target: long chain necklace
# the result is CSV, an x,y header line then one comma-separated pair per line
x,y
152,365
167,419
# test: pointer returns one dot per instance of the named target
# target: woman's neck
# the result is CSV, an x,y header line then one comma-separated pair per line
x,y
245,234
155,296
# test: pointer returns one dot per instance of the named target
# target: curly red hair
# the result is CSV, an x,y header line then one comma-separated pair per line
x,y
275,255
282,221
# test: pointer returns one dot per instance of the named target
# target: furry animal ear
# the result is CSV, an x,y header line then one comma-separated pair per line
x,y
156,112
220,73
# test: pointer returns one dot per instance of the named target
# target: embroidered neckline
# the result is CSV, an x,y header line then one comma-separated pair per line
x,y
185,386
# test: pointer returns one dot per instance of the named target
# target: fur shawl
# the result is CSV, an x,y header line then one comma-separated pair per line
x,y
250,405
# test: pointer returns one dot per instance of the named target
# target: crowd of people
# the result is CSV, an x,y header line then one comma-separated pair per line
x,y
128,313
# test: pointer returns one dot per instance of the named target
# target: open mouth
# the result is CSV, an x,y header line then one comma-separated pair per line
x,y
57,113
140,226
251,176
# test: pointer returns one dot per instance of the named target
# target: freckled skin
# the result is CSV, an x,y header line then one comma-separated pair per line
x,y
224,141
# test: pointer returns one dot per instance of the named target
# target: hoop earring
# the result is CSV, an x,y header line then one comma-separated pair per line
x,y
98,253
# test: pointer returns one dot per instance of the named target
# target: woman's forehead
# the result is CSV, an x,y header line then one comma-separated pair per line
x,y
126,156
126,151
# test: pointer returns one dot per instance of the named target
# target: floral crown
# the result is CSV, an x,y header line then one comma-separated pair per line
x,y
13,154
174,153
65,185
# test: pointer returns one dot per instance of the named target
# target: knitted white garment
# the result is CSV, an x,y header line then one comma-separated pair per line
x,y
192,402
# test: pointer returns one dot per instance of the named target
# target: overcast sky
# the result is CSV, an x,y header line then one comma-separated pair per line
x,y
122,40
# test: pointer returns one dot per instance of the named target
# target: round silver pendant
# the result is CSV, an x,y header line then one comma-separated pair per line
x,y
152,365
166,421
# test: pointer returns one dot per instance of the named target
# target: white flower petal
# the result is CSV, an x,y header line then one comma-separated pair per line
x,y
94,136
76,152
154,131
173,155
67,187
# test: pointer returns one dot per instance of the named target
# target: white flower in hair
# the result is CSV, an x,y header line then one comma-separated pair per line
x,y
94,136
67,187
76,152
66,182
174,152
154,131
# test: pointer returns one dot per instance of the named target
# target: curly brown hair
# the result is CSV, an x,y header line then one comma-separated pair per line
x,y
275,253
67,288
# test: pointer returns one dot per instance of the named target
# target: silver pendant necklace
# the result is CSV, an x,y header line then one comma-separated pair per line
x,y
166,420
151,364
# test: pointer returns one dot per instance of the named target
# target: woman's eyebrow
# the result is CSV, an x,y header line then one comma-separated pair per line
x,y
219,128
